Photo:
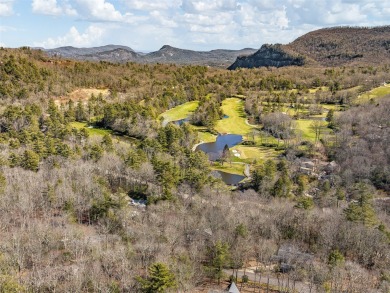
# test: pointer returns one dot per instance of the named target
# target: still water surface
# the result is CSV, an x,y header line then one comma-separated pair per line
x,y
214,149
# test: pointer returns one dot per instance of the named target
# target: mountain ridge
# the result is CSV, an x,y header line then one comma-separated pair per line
x,y
166,54
335,46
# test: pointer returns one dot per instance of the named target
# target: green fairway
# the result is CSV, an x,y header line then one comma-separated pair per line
x,y
205,136
375,93
250,153
235,123
180,112
304,126
91,131
308,133
232,168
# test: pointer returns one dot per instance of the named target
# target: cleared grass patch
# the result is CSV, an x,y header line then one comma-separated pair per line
x,y
233,168
206,136
91,131
375,93
180,112
304,126
235,123
250,153
308,133
82,95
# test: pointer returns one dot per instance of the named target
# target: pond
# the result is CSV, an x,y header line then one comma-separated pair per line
x,y
228,178
214,149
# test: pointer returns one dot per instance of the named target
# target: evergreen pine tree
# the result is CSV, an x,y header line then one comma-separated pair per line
x,y
160,279
30,160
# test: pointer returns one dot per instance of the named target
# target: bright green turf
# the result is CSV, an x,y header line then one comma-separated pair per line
x,y
180,112
304,126
91,131
308,133
233,168
250,153
235,124
375,93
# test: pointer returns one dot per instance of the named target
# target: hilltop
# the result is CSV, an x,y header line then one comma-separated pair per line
x,y
167,54
337,46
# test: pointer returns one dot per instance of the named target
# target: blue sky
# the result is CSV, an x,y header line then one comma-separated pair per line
x,y
190,24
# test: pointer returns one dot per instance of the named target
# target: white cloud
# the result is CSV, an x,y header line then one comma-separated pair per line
x,y
208,20
91,37
280,19
205,24
201,24
6,7
51,7
196,6
100,10
153,4
163,20
4,28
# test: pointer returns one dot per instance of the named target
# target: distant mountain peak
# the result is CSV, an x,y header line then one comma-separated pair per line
x,y
167,47
166,54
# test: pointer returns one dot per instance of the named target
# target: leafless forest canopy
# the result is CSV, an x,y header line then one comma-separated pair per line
x,y
81,212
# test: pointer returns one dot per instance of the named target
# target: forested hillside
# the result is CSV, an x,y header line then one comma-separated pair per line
x,y
335,46
99,195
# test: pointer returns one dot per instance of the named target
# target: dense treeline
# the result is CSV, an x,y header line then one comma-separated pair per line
x,y
29,73
114,212
343,45
362,144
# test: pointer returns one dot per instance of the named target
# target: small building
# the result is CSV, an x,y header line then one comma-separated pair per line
x,y
232,288
308,167
332,167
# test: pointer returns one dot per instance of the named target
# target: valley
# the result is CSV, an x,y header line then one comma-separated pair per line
x,y
115,174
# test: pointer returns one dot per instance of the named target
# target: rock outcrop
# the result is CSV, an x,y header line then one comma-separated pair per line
x,y
268,55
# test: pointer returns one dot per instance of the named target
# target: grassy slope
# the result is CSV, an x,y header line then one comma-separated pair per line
x,y
205,136
375,93
180,112
233,168
235,124
249,153
91,131
304,126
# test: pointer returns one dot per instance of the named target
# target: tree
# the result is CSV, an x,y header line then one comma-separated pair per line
x,y
13,160
317,126
70,113
225,154
219,258
80,113
362,210
282,186
107,142
329,116
335,258
3,183
30,160
160,279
